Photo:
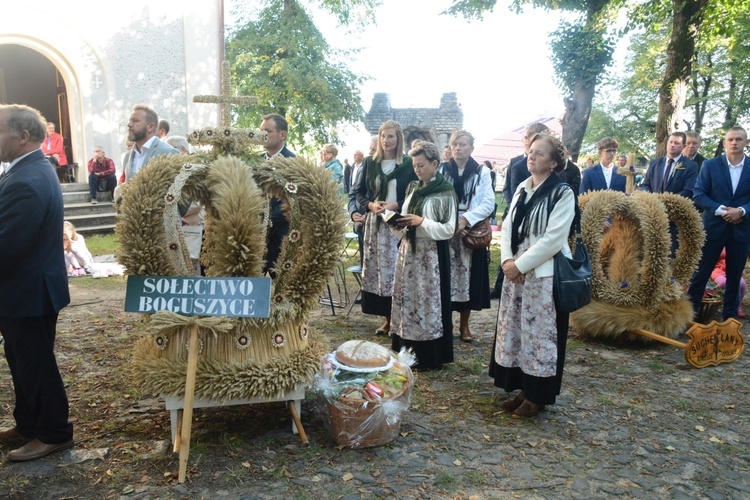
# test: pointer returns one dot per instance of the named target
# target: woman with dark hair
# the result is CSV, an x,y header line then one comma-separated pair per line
x,y
529,349
470,281
421,318
381,187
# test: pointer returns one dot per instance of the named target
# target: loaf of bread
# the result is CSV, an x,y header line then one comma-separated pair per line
x,y
362,354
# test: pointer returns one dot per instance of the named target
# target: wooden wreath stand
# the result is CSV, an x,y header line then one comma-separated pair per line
x,y
181,409
709,345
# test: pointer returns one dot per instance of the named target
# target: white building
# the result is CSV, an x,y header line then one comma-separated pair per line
x,y
84,64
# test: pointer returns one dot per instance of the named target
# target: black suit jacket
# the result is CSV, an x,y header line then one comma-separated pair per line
x,y
279,224
515,174
33,280
698,159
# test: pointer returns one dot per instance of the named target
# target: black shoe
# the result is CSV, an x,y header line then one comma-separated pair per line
x,y
357,300
495,293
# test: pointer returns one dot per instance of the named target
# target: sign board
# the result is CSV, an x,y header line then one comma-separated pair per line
x,y
199,296
714,343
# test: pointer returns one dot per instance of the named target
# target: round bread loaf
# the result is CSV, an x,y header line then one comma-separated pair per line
x,y
362,354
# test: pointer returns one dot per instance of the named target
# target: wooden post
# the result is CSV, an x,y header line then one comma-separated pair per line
x,y
297,422
660,338
187,417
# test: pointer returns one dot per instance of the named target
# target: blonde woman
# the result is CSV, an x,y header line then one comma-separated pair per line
x,y
381,187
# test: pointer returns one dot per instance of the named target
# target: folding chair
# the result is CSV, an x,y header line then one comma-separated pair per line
x,y
357,273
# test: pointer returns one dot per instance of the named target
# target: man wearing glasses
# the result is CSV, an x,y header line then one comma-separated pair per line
x,y
604,175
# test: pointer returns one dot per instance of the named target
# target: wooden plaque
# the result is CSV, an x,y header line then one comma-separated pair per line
x,y
714,343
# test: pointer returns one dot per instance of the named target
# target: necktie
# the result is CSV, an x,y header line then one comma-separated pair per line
x,y
666,175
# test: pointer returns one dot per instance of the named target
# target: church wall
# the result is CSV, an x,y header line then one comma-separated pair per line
x,y
129,53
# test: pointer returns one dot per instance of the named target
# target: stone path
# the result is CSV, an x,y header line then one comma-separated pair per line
x,y
633,422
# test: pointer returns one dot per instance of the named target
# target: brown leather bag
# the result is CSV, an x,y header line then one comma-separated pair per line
x,y
480,235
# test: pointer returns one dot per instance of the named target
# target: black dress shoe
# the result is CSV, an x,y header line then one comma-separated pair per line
x,y
36,449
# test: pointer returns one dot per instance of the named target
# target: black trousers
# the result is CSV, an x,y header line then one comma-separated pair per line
x,y
41,409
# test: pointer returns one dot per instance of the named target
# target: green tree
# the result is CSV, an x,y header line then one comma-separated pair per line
x,y
582,50
280,56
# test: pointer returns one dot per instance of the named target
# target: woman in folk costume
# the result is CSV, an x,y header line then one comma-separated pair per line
x,y
470,281
420,318
381,187
529,350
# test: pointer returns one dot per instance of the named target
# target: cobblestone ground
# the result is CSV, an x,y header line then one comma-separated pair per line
x,y
631,422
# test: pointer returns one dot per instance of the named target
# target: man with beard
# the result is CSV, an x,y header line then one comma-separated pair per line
x,y
142,132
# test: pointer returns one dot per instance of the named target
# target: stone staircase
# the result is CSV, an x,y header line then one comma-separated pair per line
x,y
87,218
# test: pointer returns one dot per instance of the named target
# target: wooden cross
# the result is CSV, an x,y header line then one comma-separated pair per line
x,y
226,99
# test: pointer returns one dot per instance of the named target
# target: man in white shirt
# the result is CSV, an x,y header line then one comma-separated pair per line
x,y
722,191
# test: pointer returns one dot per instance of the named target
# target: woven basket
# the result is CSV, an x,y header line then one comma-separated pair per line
x,y
349,421
709,308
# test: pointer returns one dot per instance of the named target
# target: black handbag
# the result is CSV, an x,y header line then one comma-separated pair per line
x,y
572,279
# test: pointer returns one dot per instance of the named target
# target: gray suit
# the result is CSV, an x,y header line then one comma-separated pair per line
x,y
157,148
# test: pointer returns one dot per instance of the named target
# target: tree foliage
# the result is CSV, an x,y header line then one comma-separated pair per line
x,y
280,56
582,50
718,87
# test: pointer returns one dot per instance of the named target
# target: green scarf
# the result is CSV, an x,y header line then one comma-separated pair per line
x,y
420,193
403,171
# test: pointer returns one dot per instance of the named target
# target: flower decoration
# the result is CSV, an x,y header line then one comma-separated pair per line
x,y
242,341
227,132
187,166
278,339
286,265
161,342
623,284
294,235
278,299
209,133
679,166
291,187
303,332
251,135
200,346
173,246
169,198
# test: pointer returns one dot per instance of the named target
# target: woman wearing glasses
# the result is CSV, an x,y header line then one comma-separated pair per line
x,y
421,316
604,175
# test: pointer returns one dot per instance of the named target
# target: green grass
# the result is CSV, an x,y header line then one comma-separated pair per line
x,y
102,244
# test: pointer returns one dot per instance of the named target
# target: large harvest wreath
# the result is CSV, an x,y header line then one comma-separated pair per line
x,y
636,283
243,358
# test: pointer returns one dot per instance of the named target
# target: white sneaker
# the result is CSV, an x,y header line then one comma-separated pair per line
x,y
93,201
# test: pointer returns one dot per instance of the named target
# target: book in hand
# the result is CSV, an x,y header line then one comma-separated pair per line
x,y
391,218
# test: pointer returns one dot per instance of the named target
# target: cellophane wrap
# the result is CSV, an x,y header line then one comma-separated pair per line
x,y
366,409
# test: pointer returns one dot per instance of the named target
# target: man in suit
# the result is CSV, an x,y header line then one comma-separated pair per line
x,y
33,286
672,173
722,191
142,133
517,170
356,211
692,145
277,129
604,175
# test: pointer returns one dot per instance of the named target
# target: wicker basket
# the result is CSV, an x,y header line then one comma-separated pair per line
x,y
350,426
709,308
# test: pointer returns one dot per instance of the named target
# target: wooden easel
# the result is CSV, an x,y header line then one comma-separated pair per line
x,y
183,423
